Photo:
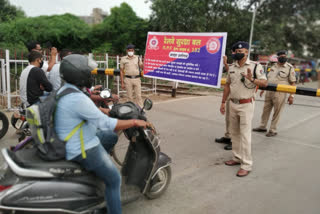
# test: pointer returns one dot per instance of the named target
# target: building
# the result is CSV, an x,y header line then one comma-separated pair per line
x,y
96,16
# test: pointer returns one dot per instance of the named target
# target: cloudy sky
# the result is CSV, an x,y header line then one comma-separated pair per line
x,y
77,7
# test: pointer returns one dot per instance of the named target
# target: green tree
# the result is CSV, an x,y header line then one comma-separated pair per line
x,y
202,16
9,12
120,28
62,31
288,24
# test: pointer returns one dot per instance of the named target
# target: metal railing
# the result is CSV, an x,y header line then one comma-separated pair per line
x,y
11,69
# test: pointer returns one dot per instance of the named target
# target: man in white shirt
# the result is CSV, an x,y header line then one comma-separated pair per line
x,y
54,74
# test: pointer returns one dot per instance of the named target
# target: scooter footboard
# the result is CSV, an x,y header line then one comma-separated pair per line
x,y
139,162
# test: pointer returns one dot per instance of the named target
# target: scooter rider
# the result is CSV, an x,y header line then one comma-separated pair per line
x,y
74,108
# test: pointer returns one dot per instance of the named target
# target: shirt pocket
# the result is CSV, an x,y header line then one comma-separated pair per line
x,y
282,75
233,76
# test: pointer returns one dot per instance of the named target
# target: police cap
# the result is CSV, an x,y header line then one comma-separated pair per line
x,y
240,45
282,52
130,46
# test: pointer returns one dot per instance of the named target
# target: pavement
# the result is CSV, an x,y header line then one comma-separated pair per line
x,y
284,180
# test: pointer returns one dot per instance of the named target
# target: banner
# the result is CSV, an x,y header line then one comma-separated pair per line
x,y
194,58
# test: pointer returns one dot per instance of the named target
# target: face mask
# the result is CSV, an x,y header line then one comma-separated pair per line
x,y
130,53
238,56
41,63
282,59
233,56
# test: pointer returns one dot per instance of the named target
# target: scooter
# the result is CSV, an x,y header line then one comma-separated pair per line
x,y
29,184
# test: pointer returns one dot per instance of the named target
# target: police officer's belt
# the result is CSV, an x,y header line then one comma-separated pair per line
x,y
242,101
132,77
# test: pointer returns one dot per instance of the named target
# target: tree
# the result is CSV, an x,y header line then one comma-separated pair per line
x,y
120,28
202,16
288,24
9,12
62,31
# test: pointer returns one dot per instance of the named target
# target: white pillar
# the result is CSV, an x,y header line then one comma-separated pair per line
x,y
8,78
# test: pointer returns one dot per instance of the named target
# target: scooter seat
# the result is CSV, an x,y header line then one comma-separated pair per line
x,y
28,158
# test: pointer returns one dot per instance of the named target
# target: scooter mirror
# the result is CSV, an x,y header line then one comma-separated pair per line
x,y
105,93
147,105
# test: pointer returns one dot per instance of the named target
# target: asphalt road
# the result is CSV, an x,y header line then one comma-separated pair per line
x,y
285,178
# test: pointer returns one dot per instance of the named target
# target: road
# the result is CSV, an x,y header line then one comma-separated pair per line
x,y
285,179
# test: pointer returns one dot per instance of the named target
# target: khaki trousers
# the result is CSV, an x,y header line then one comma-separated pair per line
x,y
227,118
134,85
274,100
241,123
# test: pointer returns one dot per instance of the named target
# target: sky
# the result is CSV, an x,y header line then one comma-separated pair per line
x,y
78,7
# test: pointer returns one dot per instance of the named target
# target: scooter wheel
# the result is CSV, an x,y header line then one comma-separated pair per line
x,y
159,183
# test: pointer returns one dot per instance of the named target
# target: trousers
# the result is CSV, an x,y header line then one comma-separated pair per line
x,y
134,85
99,162
276,101
241,122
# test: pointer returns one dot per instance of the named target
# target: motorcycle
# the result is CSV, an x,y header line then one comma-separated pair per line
x,y
4,124
29,184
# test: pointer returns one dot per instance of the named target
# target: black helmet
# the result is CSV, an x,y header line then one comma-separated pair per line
x,y
76,69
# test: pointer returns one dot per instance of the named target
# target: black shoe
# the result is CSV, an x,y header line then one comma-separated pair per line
x,y
228,147
259,129
223,140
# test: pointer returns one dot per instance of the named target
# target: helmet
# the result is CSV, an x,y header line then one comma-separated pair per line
x,y
76,69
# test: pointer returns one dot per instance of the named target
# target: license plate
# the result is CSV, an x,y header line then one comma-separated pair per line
x,y
19,123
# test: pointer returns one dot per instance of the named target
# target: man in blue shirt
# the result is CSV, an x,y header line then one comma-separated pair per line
x,y
98,129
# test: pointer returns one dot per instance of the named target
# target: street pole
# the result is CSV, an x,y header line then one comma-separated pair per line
x,y
252,25
251,30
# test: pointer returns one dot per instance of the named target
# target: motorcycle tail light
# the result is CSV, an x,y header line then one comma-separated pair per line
x,y
4,187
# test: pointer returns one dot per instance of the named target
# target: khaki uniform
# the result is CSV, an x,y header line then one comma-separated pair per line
x,y
279,74
227,118
241,114
131,69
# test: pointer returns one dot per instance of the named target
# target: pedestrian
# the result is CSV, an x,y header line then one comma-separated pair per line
x,y
130,66
54,74
280,73
47,66
33,81
244,75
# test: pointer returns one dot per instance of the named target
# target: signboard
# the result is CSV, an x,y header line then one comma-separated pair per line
x,y
195,58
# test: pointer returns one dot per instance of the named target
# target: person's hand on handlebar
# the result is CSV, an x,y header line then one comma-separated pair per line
x,y
141,123
96,89
125,124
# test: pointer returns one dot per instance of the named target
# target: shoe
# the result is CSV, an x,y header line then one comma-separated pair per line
x,y
271,134
259,129
228,147
231,163
223,140
242,173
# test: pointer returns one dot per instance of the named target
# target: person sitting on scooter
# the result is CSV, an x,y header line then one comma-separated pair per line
x,y
74,108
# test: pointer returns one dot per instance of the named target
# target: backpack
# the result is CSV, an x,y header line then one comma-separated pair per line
x,y
41,122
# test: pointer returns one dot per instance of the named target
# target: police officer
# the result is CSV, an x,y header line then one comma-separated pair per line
x,y
280,73
130,66
244,75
